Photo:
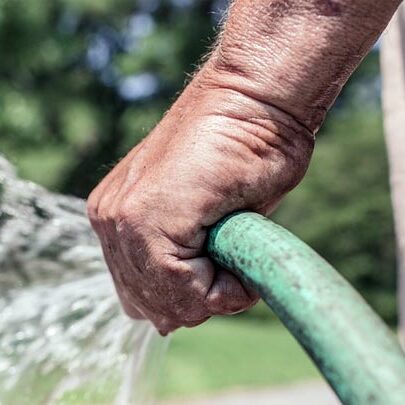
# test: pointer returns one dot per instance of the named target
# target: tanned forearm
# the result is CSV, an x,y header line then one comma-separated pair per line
x,y
297,55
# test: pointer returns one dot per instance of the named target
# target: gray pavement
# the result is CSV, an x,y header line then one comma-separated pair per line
x,y
305,393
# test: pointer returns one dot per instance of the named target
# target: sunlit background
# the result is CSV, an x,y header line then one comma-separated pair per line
x,y
83,81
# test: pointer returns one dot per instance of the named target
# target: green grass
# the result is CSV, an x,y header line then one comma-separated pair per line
x,y
101,393
233,352
32,389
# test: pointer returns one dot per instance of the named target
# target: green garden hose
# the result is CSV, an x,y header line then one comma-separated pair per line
x,y
355,351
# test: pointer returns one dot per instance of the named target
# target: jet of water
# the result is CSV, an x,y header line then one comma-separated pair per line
x,y
63,336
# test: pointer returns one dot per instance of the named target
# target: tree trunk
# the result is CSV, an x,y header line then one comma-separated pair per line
x,y
393,72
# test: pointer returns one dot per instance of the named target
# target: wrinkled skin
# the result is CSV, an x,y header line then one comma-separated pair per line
x,y
216,151
239,137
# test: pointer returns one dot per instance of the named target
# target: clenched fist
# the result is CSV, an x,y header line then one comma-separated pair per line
x,y
216,151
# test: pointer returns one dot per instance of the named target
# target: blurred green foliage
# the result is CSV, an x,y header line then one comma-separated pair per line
x,y
82,81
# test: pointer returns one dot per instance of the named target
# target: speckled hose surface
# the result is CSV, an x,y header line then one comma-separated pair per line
x,y
355,351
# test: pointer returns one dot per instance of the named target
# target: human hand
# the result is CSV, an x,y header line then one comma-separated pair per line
x,y
217,151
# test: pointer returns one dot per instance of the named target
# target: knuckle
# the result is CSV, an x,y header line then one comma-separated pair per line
x,y
182,276
129,214
92,205
93,212
98,208
126,208
222,303
104,208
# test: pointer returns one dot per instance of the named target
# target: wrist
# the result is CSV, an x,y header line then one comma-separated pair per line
x,y
225,93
